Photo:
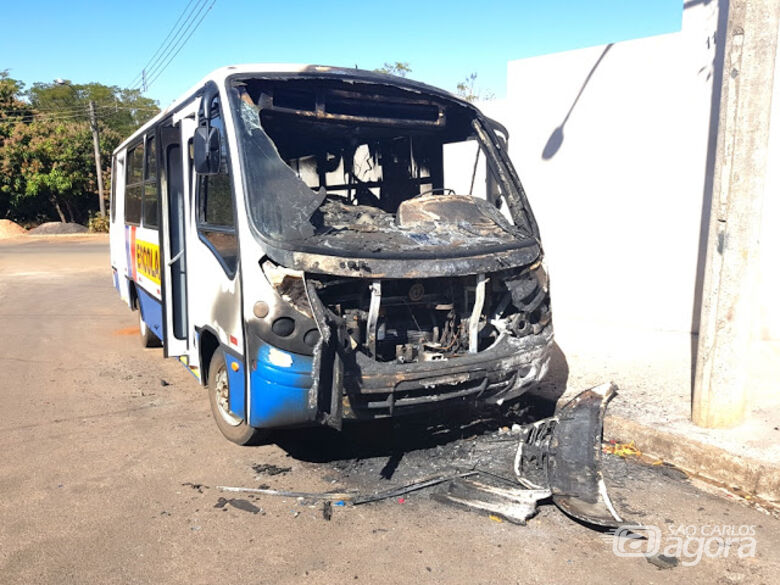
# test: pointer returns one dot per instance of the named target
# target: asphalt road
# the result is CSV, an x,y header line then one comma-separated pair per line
x,y
110,462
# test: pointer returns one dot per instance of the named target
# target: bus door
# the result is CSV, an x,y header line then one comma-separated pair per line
x,y
175,212
119,254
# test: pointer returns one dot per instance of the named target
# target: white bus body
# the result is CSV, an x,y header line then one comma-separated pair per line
x,y
317,244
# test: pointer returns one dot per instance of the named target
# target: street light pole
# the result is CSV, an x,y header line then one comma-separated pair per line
x,y
96,143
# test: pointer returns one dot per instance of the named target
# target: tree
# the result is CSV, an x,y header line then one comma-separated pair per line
x,y
399,68
51,169
47,165
468,90
122,110
12,110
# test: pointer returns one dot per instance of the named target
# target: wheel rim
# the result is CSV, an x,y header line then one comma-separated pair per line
x,y
141,324
222,395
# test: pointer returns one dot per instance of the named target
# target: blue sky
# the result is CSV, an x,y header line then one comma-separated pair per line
x,y
111,41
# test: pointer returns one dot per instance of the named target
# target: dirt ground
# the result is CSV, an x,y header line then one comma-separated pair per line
x,y
110,463
10,229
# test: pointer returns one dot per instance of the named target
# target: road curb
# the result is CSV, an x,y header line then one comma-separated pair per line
x,y
74,235
743,473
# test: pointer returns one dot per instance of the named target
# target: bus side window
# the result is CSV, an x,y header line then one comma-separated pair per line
x,y
216,219
150,185
134,184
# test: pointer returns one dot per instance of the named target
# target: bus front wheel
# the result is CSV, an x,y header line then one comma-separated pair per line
x,y
234,428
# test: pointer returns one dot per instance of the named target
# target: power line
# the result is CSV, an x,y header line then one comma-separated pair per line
x,y
44,110
65,116
168,51
34,110
191,30
140,77
43,117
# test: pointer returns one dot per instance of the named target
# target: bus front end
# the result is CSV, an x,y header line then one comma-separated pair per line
x,y
399,265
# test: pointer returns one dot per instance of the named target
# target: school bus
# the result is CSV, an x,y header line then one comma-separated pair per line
x,y
318,244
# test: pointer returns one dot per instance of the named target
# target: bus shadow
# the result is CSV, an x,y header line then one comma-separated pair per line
x,y
394,437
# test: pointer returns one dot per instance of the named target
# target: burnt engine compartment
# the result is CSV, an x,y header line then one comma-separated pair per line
x,y
431,319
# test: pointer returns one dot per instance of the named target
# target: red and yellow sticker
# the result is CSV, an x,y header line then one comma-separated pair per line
x,y
147,260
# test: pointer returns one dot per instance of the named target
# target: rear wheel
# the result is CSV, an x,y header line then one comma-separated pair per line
x,y
148,339
233,427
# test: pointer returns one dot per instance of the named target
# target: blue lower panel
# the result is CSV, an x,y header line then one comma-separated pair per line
x,y
279,386
237,398
151,311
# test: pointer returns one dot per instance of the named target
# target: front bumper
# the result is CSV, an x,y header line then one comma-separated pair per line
x,y
502,372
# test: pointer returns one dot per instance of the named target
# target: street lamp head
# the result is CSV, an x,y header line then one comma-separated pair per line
x,y
66,83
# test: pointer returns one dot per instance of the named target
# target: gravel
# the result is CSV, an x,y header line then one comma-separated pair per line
x,y
58,227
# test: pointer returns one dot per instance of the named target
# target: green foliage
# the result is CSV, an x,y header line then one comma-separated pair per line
x,y
52,169
122,110
47,165
98,224
468,90
12,108
399,68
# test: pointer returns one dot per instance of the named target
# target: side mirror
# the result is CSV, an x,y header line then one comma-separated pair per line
x,y
206,150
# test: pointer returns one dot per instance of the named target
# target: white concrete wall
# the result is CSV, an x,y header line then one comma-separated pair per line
x,y
617,186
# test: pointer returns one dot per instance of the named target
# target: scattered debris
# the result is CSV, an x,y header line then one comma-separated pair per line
x,y
418,485
557,457
164,383
663,561
622,449
244,505
316,496
673,472
196,486
268,469
354,498
515,504
562,454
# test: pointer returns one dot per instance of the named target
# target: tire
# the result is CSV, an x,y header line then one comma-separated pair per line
x,y
148,339
234,429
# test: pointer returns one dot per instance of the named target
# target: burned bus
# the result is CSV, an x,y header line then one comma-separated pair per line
x,y
318,244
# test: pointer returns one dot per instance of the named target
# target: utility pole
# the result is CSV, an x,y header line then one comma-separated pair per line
x,y
95,141
731,274
98,164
